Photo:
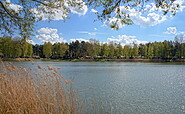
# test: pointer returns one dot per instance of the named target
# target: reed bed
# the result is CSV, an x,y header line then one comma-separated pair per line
x,y
24,91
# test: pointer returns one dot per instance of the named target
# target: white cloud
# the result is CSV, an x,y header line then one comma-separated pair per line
x,y
90,33
125,40
58,14
15,7
180,3
94,11
49,35
80,40
80,10
12,6
151,19
8,1
149,16
47,30
31,41
112,21
171,30
61,13
174,31
95,29
179,35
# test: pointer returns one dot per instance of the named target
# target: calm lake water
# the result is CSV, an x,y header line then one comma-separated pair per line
x,y
126,87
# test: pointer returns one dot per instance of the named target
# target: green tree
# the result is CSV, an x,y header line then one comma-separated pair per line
x,y
143,49
177,49
97,49
126,51
183,50
38,50
83,49
111,49
156,49
1,46
150,53
166,49
105,50
118,50
135,50
17,51
62,49
7,46
47,49
90,51
74,49
30,50
55,51
24,47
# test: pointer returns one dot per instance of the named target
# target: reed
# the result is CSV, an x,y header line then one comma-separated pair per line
x,y
22,91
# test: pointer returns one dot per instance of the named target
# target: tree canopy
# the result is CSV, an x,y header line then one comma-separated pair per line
x,y
21,19
16,47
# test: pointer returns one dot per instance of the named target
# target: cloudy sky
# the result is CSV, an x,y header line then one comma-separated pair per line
x,y
149,25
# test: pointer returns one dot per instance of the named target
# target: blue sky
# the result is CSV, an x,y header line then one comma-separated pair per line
x,y
150,25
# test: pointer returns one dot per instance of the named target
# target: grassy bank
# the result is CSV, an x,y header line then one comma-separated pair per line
x,y
93,60
22,91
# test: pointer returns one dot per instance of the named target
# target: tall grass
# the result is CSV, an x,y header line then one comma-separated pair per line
x,y
46,92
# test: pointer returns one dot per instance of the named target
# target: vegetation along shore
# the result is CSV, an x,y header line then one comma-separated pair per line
x,y
93,50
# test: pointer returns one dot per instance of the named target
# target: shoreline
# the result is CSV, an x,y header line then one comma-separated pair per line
x,y
92,60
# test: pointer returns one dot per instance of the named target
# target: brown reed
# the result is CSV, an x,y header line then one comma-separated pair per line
x,y
23,92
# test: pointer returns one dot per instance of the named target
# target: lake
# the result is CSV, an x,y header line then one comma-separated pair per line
x,y
126,87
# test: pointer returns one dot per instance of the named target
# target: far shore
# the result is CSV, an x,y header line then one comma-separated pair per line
x,y
92,60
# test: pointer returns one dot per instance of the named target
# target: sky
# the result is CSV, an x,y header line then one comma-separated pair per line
x,y
149,25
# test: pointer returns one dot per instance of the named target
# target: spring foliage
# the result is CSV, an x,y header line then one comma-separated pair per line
x,y
14,48
22,19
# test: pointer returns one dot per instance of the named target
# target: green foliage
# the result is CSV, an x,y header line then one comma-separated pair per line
x,y
17,52
47,49
23,20
13,48
24,47
38,50
111,8
93,48
135,50
105,50
150,54
90,51
59,49
111,50
7,46
30,50
126,51
143,50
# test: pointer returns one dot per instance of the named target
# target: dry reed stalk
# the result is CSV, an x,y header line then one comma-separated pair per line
x,y
22,92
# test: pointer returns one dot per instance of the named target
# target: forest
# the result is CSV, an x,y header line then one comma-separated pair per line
x,y
20,48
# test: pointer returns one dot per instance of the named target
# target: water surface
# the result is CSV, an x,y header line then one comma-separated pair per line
x,y
127,87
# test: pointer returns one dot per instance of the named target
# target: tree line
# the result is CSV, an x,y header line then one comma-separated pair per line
x,y
15,47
